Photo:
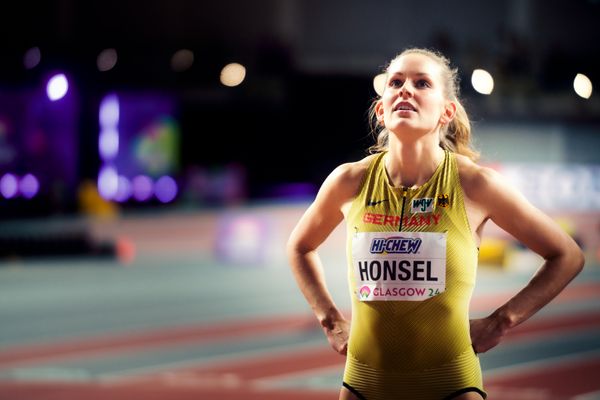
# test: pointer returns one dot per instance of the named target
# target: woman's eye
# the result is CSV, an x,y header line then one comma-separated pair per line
x,y
423,83
395,83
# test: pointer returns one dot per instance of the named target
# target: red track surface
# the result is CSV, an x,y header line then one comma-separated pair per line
x,y
100,346
552,382
245,379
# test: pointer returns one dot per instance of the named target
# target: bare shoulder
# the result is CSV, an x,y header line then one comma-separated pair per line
x,y
490,192
347,177
477,181
342,186
354,171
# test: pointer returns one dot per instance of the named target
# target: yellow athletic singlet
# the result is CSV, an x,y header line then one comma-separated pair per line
x,y
412,266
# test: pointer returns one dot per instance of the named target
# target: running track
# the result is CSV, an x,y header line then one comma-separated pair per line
x,y
188,327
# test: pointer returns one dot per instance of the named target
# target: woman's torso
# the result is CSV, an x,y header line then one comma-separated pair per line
x,y
410,330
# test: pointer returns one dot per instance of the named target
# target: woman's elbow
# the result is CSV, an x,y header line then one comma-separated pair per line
x,y
578,260
295,247
569,257
575,259
291,246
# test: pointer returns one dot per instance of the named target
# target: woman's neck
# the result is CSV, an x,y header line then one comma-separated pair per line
x,y
412,164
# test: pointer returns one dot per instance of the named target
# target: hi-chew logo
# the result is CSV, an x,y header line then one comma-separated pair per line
x,y
395,245
422,205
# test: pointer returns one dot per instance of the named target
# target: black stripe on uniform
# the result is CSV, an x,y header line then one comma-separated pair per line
x,y
466,390
354,391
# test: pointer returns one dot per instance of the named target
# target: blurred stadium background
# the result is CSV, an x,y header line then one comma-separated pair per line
x,y
154,157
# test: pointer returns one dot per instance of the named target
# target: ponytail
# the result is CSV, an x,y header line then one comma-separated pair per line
x,y
456,136
380,133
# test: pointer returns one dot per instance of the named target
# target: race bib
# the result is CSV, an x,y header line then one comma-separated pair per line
x,y
406,266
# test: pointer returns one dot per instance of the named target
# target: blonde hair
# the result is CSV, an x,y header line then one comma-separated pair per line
x,y
455,136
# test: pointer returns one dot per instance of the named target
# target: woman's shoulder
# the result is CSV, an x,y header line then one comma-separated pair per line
x,y
353,172
346,178
477,180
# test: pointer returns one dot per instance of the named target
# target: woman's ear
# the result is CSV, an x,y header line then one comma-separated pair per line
x,y
448,113
379,112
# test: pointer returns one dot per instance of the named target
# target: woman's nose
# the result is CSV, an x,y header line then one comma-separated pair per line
x,y
405,90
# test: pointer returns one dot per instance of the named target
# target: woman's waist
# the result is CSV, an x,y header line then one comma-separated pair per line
x,y
434,317
397,334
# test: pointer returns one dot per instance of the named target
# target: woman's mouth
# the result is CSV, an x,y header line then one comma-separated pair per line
x,y
404,106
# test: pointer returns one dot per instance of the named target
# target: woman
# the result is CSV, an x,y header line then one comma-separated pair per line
x,y
414,213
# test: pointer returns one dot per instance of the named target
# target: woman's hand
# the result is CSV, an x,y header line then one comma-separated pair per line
x,y
337,335
486,333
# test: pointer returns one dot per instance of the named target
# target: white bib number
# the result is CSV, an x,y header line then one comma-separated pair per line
x,y
407,266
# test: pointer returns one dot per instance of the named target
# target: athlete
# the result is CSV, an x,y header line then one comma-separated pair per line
x,y
414,212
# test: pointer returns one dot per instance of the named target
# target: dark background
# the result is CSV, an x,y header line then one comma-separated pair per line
x,y
302,109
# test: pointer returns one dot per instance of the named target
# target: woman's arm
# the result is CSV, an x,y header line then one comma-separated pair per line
x,y
563,259
319,220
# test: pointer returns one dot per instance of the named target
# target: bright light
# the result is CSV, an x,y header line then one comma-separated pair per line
x,y
108,182
108,146
583,86
379,83
482,81
142,188
165,189
108,143
57,87
123,189
9,186
109,111
233,74
29,186
106,60
32,58
182,60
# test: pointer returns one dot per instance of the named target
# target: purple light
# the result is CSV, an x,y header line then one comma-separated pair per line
x,y
123,189
108,141
57,87
29,186
298,190
108,115
142,188
32,57
108,144
8,186
108,182
165,189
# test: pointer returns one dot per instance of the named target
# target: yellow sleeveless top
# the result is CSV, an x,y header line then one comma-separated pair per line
x,y
414,349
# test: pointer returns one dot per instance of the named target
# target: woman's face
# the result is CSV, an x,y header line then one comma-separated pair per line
x,y
413,98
